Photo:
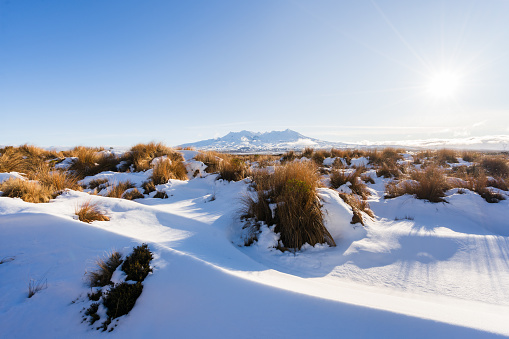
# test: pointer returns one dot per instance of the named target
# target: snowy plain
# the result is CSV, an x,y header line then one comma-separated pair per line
x,y
417,269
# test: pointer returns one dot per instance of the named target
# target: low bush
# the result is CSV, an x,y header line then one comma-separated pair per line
x,y
92,313
105,268
88,212
137,265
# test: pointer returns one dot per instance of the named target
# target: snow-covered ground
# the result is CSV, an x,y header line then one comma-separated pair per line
x,y
417,270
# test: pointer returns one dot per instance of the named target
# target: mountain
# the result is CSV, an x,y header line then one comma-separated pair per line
x,y
275,141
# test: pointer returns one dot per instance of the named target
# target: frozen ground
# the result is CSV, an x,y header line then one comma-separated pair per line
x,y
417,270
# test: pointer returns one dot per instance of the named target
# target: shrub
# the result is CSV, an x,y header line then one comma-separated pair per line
x,y
165,169
105,268
92,313
297,214
117,190
29,191
121,299
88,212
137,265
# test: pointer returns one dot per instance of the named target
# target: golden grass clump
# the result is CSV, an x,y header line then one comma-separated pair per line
x,y
55,180
88,212
91,161
98,184
358,206
141,155
24,159
166,169
117,190
496,166
133,194
27,190
291,191
230,168
444,156
428,184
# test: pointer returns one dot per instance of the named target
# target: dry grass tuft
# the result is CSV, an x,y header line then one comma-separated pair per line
x,y
445,156
117,190
358,206
98,183
496,166
288,199
230,168
166,169
141,155
148,187
428,184
29,191
88,212
105,268
55,180
133,194
91,161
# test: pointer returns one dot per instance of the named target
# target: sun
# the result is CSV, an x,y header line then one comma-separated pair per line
x,y
443,84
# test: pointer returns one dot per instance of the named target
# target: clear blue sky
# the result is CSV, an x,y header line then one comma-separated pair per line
x,y
121,72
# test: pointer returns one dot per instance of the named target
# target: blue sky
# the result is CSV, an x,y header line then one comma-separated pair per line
x,y
122,72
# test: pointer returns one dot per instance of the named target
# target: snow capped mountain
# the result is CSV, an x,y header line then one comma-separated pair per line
x,y
275,141
281,141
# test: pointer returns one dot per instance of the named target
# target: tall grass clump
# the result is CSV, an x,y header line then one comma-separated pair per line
x,y
101,276
228,167
91,161
117,190
27,190
288,199
428,184
166,169
140,156
88,212
445,156
358,205
496,166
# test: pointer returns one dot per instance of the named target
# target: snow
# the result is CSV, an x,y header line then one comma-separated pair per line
x,y
417,270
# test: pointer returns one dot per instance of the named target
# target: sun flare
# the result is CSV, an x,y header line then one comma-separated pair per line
x,y
443,84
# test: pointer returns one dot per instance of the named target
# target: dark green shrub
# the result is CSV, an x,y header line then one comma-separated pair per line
x,y
121,299
137,265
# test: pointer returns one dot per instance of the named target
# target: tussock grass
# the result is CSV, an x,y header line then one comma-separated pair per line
x,y
388,156
444,156
291,189
88,212
117,190
28,191
357,185
55,180
359,206
428,184
36,285
166,169
228,167
91,161
148,187
161,195
133,194
388,170
98,184
141,155
496,166
104,271
24,159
